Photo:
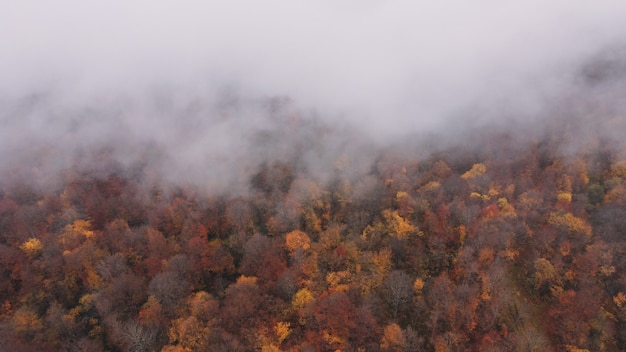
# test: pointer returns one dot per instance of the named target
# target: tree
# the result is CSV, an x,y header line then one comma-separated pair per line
x,y
398,227
241,305
168,288
263,259
334,316
545,275
26,324
393,339
570,225
32,247
189,334
137,337
397,290
297,240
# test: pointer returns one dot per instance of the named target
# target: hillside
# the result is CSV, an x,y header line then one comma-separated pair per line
x,y
501,239
341,176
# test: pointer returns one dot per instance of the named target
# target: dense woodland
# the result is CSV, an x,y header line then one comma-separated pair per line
x,y
506,241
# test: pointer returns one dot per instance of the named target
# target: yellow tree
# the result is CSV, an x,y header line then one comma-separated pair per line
x,y
393,339
32,247
570,224
398,226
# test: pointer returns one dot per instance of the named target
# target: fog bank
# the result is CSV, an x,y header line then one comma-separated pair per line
x,y
208,91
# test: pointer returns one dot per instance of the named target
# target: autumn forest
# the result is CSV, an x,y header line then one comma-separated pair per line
x,y
500,240
304,176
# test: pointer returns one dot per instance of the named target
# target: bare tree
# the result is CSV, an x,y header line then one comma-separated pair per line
x,y
397,290
139,338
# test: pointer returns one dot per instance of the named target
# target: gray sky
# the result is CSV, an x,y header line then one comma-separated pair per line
x,y
390,66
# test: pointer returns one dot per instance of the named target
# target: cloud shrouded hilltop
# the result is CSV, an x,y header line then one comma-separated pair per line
x,y
189,87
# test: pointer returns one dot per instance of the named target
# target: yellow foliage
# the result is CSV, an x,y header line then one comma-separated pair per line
x,y
189,333
382,263
493,192
486,255
485,292
247,280
297,240
96,330
606,270
619,299
93,279
418,285
201,305
565,248
333,339
475,171
82,227
151,310
336,278
441,345
570,275
88,299
32,247
312,221
302,298
556,291
342,288
401,195
564,197
74,313
462,234
25,320
367,232
399,226
506,209
571,348
569,223
393,338
511,254
431,186
476,195
282,330
617,194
